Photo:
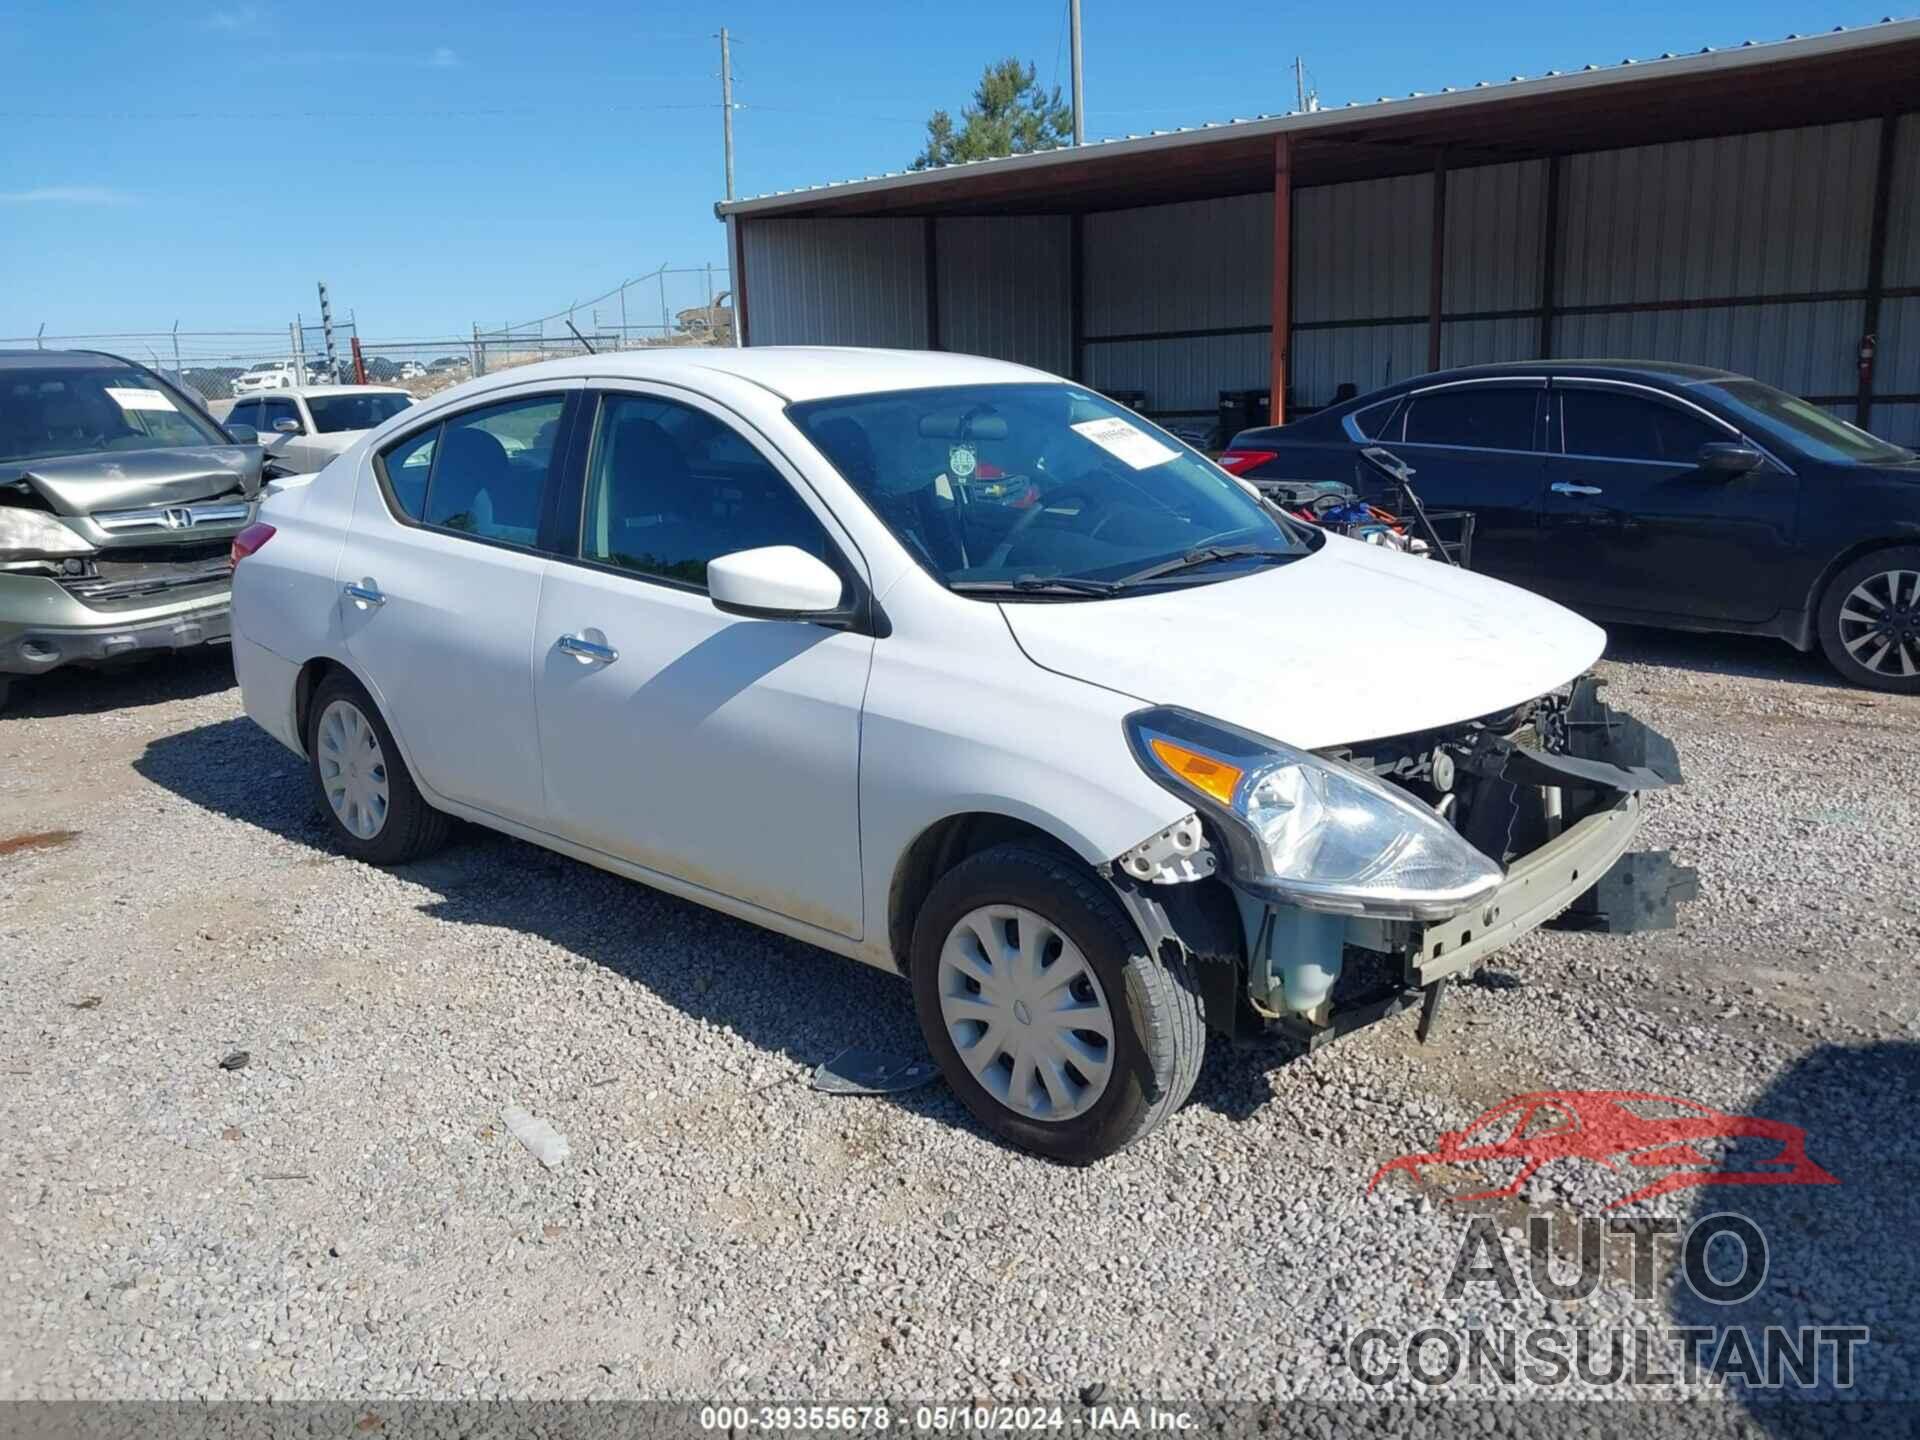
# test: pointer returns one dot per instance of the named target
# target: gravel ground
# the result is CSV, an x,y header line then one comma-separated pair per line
x,y
347,1215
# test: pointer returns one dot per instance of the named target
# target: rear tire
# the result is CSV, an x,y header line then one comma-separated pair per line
x,y
6,686
1869,621
1034,944
363,786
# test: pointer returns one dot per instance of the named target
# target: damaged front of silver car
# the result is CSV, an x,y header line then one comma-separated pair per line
x,y
119,499
1316,892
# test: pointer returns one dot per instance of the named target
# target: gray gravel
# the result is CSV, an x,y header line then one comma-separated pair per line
x,y
347,1214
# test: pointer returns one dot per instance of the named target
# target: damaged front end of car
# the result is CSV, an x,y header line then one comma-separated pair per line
x,y
1341,886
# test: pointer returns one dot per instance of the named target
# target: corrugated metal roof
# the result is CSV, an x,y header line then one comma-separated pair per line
x,y
1749,52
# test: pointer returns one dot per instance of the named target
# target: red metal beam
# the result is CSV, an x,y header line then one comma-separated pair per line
x,y
1282,278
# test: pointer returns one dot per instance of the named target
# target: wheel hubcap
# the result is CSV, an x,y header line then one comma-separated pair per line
x,y
1026,1012
353,769
1880,623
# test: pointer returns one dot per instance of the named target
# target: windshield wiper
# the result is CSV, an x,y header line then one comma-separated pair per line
x,y
1205,555
1036,585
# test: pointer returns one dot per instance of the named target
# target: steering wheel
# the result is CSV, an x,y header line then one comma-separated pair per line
x,y
1025,522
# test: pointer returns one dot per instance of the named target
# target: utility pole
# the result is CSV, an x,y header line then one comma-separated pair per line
x,y
178,373
665,329
326,330
726,102
294,340
623,314
1079,84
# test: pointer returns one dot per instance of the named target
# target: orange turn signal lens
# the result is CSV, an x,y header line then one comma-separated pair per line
x,y
1203,772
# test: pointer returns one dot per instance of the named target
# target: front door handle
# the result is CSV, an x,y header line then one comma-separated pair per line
x,y
1562,487
588,650
365,594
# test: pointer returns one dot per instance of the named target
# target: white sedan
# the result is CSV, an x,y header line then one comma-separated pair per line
x,y
954,668
305,426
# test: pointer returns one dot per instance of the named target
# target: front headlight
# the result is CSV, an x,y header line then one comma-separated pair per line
x,y
34,532
1308,831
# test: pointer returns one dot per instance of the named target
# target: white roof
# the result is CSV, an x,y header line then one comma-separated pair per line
x,y
792,372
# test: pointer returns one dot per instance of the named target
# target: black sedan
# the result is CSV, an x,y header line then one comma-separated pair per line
x,y
1652,494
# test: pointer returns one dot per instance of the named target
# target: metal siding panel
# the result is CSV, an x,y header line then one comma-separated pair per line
x,y
1184,374
1487,342
1808,348
1196,266
1003,288
1493,238
836,282
1898,423
1366,356
1896,369
1362,250
1782,211
1903,207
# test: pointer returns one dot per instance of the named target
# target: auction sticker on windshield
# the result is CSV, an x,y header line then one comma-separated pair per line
x,y
1124,442
130,399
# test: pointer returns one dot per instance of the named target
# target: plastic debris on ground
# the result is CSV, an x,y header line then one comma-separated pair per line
x,y
867,1072
546,1144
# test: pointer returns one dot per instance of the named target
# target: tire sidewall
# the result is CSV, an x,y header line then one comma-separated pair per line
x,y
1902,557
1102,940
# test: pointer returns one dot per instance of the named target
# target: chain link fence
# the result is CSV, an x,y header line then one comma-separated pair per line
x,y
667,306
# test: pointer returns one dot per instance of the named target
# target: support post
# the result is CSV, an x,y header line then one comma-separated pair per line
x,y
726,103
737,279
1282,278
932,251
178,373
1437,266
297,343
1549,256
666,325
1076,301
1876,269
1079,86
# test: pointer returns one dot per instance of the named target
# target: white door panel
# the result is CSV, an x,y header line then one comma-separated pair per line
x,y
721,751
447,650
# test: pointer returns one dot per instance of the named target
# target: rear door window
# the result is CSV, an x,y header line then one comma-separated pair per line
x,y
492,467
1479,417
407,466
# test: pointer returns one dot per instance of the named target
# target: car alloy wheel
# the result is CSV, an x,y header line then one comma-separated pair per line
x,y
1880,623
353,770
1026,1012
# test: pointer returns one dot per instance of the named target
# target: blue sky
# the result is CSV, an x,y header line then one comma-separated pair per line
x,y
442,163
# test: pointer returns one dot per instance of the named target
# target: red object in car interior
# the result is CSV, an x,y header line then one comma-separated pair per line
x,y
249,540
1238,462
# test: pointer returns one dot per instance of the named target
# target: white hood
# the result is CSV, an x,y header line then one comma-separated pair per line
x,y
1350,643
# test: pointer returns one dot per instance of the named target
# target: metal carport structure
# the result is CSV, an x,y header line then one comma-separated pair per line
x,y
1755,207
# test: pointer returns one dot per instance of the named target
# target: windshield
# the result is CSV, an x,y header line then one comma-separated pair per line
x,y
67,411
1005,483
333,413
1804,425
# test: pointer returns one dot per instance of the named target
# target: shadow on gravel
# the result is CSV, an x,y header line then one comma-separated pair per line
x,y
236,769
76,691
1753,656
781,995
1837,1255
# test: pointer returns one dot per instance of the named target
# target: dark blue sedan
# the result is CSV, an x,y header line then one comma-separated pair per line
x,y
1652,494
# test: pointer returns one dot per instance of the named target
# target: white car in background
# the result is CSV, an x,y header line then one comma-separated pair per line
x,y
1099,762
271,375
305,427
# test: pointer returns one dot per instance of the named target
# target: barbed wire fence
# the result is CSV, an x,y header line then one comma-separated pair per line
x,y
687,305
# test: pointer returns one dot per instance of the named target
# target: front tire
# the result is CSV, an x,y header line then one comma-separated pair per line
x,y
1052,1022
1870,621
364,788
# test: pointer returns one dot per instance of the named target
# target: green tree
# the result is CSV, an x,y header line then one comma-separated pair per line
x,y
1010,115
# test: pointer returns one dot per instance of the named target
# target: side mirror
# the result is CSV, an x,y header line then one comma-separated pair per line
x,y
775,582
287,427
244,434
1729,458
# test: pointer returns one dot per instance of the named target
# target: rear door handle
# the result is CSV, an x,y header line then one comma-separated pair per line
x,y
585,649
367,595
1562,487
